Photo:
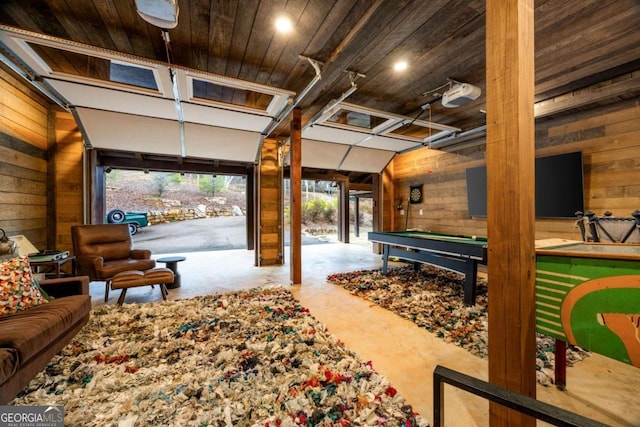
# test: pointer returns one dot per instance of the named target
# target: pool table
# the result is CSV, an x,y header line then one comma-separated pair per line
x,y
451,251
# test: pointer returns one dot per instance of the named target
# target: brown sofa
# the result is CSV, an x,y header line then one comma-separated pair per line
x,y
30,338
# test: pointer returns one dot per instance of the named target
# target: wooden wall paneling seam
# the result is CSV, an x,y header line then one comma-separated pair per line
x,y
23,111
17,177
587,96
7,198
139,46
268,56
60,21
569,124
244,18
22,120
110,15
93,37
18,157
13,84
219,35
276,66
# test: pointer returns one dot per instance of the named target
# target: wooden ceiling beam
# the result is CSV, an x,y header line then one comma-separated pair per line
x,y
328,176
355,186
590,80
622,87
170,165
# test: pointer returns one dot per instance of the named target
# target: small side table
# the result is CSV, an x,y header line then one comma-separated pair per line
x,y
52,268
172,264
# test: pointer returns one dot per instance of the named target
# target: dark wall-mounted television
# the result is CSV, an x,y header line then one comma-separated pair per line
x,y
559,187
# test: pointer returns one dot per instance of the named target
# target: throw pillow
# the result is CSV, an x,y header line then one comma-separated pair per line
x,y
44,293
16,286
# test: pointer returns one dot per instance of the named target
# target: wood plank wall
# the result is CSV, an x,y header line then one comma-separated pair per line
x,y
609,138
23,160
67,179
40,166
270,221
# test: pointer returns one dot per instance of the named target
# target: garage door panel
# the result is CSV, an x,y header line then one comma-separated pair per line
x,y
322,155
213,142
330,134
127,132
224,118
100,98
386,143
366,160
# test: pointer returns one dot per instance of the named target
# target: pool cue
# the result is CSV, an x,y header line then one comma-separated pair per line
x,y
406,217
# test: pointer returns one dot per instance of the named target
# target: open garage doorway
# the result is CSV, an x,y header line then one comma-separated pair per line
x,y
320,216
360,216
178,212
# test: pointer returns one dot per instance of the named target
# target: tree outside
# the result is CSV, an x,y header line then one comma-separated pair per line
x,y
157,191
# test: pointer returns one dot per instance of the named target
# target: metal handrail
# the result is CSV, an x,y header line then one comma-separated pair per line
x,y
510,399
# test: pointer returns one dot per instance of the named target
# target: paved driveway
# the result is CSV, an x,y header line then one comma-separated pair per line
x,y
205,234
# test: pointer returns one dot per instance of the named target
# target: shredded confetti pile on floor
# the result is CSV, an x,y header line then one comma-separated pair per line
x,y
433,299
253,358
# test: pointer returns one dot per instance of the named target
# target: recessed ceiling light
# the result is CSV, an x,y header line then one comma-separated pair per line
x,y
400,66
283,24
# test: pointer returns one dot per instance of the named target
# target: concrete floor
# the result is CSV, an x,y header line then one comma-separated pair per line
x,y
598,387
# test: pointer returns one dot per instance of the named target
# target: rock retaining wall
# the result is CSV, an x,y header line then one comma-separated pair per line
x,y
183,214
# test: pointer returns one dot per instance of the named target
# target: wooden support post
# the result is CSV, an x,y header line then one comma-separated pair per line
x,y
270,231
250,193
295,155
258,221
510,202
377,220
94,212
343,214
388,201
340,212
356,225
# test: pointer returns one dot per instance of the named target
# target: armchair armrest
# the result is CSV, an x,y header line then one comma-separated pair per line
x,y
66,286
90,265
141,254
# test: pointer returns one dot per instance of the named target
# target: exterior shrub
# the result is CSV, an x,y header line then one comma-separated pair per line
x,y
318,210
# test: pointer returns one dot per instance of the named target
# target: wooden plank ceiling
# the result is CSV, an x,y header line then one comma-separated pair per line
x,y
580,45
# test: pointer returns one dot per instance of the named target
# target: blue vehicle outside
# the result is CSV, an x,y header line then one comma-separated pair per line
x,y
135,220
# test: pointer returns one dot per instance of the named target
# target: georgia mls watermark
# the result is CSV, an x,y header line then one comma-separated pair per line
x,y
31,416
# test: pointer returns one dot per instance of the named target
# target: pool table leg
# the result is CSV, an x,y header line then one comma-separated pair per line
x,y
385,258
561,364
470,275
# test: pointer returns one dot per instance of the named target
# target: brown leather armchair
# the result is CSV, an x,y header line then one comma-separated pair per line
x,y
104,250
